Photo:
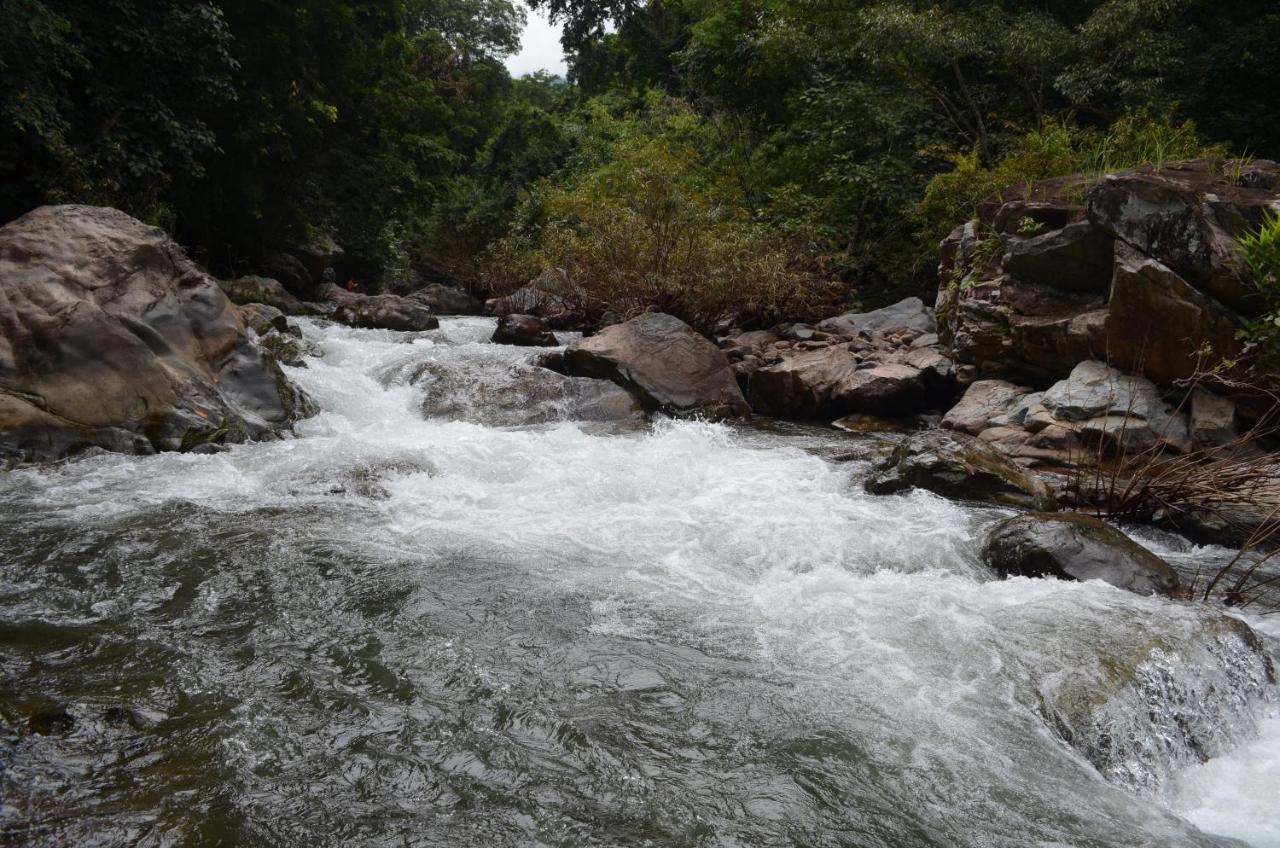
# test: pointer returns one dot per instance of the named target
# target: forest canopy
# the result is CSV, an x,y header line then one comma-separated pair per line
x,y
797,145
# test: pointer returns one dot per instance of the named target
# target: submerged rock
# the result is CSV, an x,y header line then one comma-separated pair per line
x,y
1071,546
959,466
524,330
665,362
111,337
524,395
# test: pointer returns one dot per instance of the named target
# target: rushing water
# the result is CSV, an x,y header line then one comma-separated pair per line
x,y
419,629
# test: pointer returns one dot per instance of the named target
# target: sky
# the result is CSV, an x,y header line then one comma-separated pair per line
x,y
539,48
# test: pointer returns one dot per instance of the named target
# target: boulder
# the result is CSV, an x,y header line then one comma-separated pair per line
x,y
267,291
320,257
379,312
1074,258
262,319
958,466
1100,401
523,396
910,314
1071,546
832,382
524,330
111,337
983,403
1213,420
1158,322
665,362
291,273
444,300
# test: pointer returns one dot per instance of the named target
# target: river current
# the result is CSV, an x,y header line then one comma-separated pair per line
x,y
444,627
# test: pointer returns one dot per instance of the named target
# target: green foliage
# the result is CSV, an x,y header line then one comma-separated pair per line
x,y
1262,336
652,216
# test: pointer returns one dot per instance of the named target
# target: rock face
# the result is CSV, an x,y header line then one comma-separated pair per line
x,y
1142,274
379,312
665,362
1071,546
443,300
524,330
958,466
111,337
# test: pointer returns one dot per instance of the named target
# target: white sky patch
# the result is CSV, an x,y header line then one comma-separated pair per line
x,y
539,48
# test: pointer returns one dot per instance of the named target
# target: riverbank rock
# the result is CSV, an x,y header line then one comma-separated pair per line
x,y
908,314
444,300
1071,546
379,311
1143,271
245,290
524,330
665,362
958,466
111,337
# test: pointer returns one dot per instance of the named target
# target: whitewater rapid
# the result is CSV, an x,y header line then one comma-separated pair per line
x,y
410,625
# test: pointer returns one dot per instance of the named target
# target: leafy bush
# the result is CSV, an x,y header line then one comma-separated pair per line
x,y
1262,337
650,217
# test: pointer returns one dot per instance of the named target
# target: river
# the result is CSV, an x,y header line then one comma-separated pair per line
x,y
408,628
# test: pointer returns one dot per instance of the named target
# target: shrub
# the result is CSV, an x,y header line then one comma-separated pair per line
x,y
650,219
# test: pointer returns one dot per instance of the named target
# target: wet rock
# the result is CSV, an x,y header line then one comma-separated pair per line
x,y
525,395
525,331
379,312
665,362
1071,546
959,466
320,257
111,337
444,300
834,382
910,313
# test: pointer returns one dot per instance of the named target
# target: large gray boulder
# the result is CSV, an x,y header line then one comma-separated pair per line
x,y
985,403
908,314
525,395
958,466
1071,546
665,362
379,312
111,337
1074,258
1100,401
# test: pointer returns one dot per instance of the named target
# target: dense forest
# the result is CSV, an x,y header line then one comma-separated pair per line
x,y
775,154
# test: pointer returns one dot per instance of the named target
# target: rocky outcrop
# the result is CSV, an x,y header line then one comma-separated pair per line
x,y
957,466
883,363
525,331
1071,546
244,290
379,311
111,337
1143,272
443,300
664,362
